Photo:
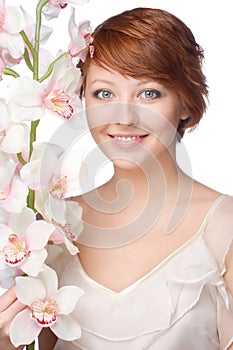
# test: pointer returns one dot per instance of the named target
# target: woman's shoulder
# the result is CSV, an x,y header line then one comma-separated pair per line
x,y
221,203
218,228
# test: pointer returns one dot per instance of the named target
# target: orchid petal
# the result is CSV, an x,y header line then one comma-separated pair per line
x,y
58,71
23,329
30,174
38,233
34,263
5,231
8,275
67,298
7,170
4,116
19,113
29,289
12,43
49,278
66,328
56,209
14,19
51,11
71,80
15,139
72,249
17,198
27,92
19,222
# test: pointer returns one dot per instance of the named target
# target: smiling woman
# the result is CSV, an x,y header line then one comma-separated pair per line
x,y
154,257
151,261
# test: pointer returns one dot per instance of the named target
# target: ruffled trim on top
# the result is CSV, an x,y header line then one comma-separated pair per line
x,y
170,292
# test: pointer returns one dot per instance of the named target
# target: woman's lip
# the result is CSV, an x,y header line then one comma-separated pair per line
x,y
127,140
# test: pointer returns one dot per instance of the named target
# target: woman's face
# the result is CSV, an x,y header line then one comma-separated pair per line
x,y
130,118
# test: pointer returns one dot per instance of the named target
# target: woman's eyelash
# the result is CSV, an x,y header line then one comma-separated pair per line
x,y
105,93
150,94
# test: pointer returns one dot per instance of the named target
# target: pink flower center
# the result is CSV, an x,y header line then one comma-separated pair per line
x,y
68,231
62,6
15,252
44,312
58,189
60,104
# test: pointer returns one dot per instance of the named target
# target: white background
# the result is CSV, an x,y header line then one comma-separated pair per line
x,y
210,146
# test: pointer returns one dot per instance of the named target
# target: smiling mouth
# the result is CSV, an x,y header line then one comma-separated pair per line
x,y
128,139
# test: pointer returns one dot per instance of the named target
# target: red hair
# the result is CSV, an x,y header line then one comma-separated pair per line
x,y
152,43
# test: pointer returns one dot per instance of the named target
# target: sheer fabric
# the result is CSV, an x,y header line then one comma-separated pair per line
x,y
183,303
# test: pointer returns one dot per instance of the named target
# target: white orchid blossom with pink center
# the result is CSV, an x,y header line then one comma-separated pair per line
x,y
13,192
13,137
69,232
81,39
47,175
12,21
24,248
29,99
47,306
54,7
18,223
43,173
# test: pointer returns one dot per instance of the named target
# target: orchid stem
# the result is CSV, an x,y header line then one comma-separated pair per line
x,y
50,69
21,159
30,346
9,71
34,124
27,42
39,8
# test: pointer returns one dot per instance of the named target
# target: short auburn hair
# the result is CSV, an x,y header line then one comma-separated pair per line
x,y
153,43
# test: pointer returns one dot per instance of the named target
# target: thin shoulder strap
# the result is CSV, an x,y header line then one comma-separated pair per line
x,y
211,210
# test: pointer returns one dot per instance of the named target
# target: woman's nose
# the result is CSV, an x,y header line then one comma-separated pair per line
x,y
126,113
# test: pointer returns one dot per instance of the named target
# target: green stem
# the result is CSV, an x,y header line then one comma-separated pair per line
x,y
31,346
34,124
31,194
27,42
21,159
9,71
50,69
39,8
27,59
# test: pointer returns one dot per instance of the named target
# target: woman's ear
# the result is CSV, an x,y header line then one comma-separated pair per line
x,y
185,113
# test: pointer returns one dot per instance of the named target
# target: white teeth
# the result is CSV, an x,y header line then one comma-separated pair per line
x,y
126,139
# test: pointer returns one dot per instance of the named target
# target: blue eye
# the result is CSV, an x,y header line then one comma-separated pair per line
x,y
150,94
102,94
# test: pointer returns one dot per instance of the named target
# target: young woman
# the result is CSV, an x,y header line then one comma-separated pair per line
x,y
155,260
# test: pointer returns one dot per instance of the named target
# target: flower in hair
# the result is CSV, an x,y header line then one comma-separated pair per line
x,y
81,38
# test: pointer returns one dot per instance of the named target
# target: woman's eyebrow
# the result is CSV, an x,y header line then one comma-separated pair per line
x,y
105,81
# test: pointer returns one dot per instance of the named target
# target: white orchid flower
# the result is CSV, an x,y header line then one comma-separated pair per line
x,y
54,7
30,99
47,306
81,38
69,232
25,249
46,174
12,22
43,174
17,222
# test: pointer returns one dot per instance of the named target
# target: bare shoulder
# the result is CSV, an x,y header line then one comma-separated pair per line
x,y
220,228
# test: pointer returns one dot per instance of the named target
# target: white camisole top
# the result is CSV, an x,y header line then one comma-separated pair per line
x,y
182,304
